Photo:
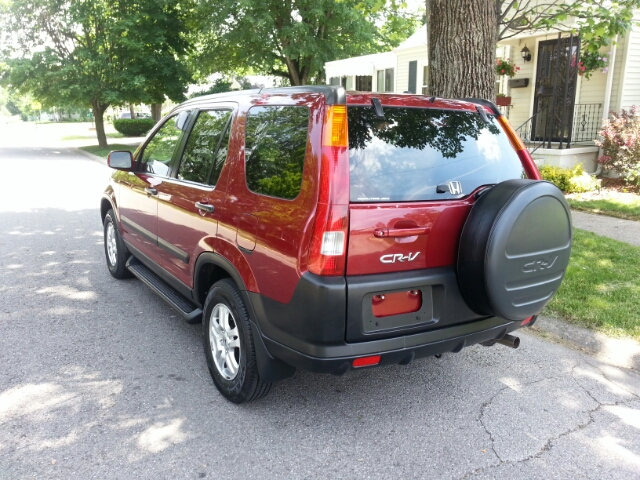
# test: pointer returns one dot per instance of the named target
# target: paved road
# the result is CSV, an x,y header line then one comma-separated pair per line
x,y
100,379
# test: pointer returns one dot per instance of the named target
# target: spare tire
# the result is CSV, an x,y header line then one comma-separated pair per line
x,y
514,249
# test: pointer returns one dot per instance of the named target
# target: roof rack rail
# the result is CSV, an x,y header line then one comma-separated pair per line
x,y
335,95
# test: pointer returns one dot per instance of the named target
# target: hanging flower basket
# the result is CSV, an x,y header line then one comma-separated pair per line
x,y
505,67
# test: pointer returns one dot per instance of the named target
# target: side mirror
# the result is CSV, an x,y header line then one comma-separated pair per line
x,y
181,120
120,160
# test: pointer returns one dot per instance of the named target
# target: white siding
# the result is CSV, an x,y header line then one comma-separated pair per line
x,y
402,68
630,94
593,89
521,97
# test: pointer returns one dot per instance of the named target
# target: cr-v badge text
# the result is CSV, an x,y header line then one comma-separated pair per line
x,y
398,257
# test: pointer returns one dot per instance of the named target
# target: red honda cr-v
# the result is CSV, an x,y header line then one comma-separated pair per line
x,y
314,228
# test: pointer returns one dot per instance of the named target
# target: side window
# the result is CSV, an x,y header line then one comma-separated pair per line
x,y
157,155
206,149
276,142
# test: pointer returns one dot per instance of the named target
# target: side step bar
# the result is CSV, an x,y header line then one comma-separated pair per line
x,y
188,310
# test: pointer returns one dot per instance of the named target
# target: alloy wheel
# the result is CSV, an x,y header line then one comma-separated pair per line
x,y
224,339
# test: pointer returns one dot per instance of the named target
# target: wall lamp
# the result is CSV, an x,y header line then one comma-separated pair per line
x,y
526,54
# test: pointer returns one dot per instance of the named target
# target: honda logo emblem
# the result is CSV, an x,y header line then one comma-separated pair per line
x,y
455,188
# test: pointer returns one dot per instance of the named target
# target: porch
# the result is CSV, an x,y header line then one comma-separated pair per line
x,y
564,137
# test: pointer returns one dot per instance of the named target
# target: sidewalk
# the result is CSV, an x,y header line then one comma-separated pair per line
x,y
623,230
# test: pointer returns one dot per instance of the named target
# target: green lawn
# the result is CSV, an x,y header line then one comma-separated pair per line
x,y
103,152
622,205
601,289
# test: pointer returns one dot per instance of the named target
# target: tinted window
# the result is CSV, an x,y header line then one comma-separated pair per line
x,y
411,151
158,153
276,141
204,155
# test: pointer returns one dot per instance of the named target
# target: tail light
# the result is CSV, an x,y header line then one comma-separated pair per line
x,y
527,162
328,251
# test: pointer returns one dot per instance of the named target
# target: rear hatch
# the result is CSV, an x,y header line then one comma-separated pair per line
x,y
414,167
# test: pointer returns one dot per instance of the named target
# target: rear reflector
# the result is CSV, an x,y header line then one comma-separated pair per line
x,y
366,361
526,321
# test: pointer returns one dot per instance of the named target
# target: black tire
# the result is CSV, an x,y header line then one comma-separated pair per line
x,y
230,351
514,249
115,252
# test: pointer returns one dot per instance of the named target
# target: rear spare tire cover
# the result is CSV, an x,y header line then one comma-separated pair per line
x,y
514,249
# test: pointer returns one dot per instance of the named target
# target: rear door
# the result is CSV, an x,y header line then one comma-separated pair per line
x,y
189,204
413,174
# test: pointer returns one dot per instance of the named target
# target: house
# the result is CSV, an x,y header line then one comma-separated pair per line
x,y
401,70
556,111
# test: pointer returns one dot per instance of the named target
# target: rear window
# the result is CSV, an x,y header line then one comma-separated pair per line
x,y
417,154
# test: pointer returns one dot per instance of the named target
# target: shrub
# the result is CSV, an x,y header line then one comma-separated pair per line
x,y
570,180
133,127
620,142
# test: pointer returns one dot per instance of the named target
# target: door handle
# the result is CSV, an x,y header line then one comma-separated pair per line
x,y
205,206
400,232
151,191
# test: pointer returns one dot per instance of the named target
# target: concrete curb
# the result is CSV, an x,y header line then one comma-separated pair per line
x,y
90,155
619,352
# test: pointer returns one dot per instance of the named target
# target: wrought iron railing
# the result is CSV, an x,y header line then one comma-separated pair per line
x,y
587,119
526,131
544,127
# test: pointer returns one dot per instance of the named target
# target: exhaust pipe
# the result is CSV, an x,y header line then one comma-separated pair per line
x,y
509,341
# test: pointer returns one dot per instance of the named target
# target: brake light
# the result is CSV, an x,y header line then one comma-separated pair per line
x,y
328,250
523,154
366,361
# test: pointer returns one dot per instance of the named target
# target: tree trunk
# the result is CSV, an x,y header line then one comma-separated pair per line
x,y
98,114
156,112
132,112
462,48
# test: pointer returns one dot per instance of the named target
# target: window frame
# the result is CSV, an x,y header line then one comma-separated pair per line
x,y
195,114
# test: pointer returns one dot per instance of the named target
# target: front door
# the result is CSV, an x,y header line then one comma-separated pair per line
x,y
555,89
139,190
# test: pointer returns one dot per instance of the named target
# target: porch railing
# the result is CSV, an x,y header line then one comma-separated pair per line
x,y
526,132
587,119
540,128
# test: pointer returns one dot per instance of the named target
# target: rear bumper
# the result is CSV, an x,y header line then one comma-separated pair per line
x,y
319,330
338,359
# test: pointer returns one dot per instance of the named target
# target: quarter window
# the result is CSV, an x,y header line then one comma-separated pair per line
x,y
276,142
206,149
158,153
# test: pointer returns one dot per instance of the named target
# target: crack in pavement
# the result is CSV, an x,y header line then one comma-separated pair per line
x,y
614,382
550,441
